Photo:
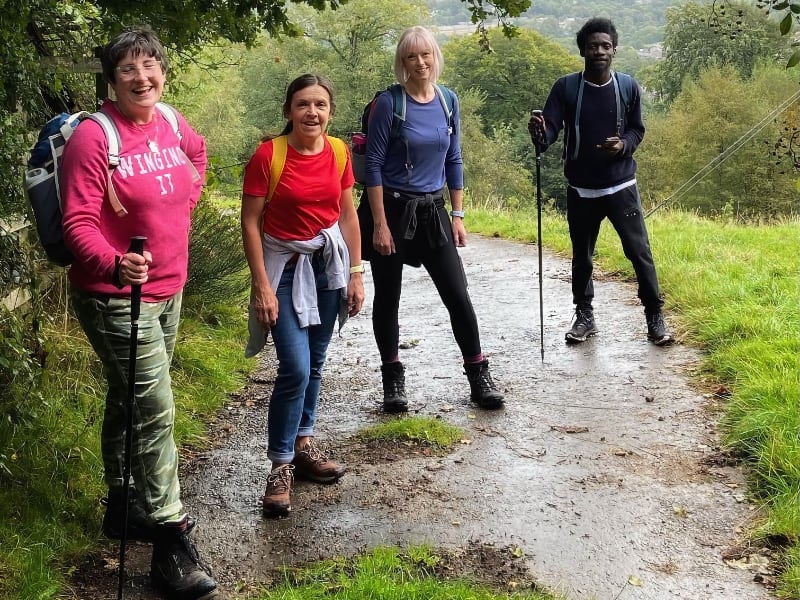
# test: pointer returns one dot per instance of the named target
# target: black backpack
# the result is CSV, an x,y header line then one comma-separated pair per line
x,y
358,144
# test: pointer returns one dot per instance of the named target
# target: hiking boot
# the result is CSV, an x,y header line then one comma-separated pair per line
x,y
394,387
140,527
483,391
657,331
176,569
277,501
312,464
582,327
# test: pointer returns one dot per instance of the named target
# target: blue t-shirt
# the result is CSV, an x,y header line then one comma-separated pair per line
x,y
434,153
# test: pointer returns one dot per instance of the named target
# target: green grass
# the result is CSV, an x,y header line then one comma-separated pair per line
x,y
49,444
427,430
384,574
733,291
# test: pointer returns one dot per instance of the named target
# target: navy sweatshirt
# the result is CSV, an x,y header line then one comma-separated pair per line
x,y
595,168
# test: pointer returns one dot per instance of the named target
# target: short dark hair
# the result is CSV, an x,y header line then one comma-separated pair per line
x,y
301,83
138,41
596,25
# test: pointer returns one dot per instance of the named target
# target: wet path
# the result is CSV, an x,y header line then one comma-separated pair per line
x,y
594,469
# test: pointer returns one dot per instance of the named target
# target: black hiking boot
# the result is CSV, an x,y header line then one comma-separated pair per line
x,y
140,527
394,387
483,391
657,331
176,569
583,326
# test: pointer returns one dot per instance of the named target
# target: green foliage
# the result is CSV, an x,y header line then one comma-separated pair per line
x,y
707,119
218,271
698,36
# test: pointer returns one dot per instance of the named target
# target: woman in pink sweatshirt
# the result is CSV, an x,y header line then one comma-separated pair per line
x,y
151,193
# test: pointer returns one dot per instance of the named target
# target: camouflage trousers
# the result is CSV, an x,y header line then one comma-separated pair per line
x,y
154,457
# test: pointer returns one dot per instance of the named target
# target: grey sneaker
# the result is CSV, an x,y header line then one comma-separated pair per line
x,y
657,331
582,327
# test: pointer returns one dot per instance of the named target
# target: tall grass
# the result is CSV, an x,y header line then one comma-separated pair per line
x,y
733,291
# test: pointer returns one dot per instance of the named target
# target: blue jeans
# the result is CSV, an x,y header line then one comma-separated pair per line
x,y
154,457
301,357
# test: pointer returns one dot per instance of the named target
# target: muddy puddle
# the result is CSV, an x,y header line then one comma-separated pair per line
x,y
595,477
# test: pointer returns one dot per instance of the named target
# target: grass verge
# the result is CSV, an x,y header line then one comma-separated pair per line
x,y
388,574
732,290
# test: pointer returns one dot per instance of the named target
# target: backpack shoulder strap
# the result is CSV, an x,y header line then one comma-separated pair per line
x,y
112,135
340,152
625,82
114,148
171,115
399,108
279,149
572,83
446,97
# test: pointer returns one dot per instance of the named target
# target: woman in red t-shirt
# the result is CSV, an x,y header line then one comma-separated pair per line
x,y
301,239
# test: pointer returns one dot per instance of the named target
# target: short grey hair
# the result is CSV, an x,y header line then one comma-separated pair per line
x,y
416,38
139,41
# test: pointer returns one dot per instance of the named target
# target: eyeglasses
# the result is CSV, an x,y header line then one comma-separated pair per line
x,y
149,67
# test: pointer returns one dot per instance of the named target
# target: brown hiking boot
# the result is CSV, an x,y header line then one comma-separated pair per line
x,y
277,501
312,464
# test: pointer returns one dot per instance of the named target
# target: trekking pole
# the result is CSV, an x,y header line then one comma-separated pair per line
x,y
539,234
137,246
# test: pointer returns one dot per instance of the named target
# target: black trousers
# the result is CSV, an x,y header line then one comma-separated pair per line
x,y
624,210
444,266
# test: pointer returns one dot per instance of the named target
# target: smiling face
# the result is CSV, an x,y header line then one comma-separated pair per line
x,y
139,83
310,111
418,64
597,56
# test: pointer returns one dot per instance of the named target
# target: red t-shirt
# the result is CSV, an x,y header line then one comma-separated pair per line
x,y
307,198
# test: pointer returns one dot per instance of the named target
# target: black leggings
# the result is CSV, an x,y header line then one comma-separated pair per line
x,y
444,266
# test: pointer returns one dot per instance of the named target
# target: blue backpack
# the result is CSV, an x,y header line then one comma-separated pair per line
x,y
41,182
359,139
623,90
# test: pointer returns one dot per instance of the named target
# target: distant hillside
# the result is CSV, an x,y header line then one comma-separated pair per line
x,y
640,22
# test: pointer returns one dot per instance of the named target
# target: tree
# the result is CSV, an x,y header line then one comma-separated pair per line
x,y
708,122
697,36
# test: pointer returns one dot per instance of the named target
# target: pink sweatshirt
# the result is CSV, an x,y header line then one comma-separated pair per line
x,y
158,188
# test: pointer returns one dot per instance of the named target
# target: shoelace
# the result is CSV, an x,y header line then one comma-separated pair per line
x,y
282,480
192,554
314,452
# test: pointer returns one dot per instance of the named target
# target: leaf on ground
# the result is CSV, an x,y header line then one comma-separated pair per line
x,y
679,511
569,428
517,552
634,580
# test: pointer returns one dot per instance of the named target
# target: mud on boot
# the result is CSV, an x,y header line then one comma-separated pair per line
x,y
483,391
176,569
394,387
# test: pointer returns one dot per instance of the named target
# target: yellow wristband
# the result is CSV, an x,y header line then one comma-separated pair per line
x,y
357,269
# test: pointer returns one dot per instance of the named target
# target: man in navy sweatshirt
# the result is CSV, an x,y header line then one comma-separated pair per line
x,y
601,114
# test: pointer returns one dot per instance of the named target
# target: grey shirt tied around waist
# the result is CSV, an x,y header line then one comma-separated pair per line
x,y
304,287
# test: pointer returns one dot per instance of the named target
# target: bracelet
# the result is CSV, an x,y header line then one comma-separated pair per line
x,y
357,269
457,213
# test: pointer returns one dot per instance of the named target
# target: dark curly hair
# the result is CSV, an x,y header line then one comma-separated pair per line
x,y
596,25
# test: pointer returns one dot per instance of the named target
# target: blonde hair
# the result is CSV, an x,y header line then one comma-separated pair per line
x,y
416,38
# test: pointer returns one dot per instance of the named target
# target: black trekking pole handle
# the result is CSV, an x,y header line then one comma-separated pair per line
x,y
136,247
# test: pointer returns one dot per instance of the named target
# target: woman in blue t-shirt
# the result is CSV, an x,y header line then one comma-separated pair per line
x,y
405,220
